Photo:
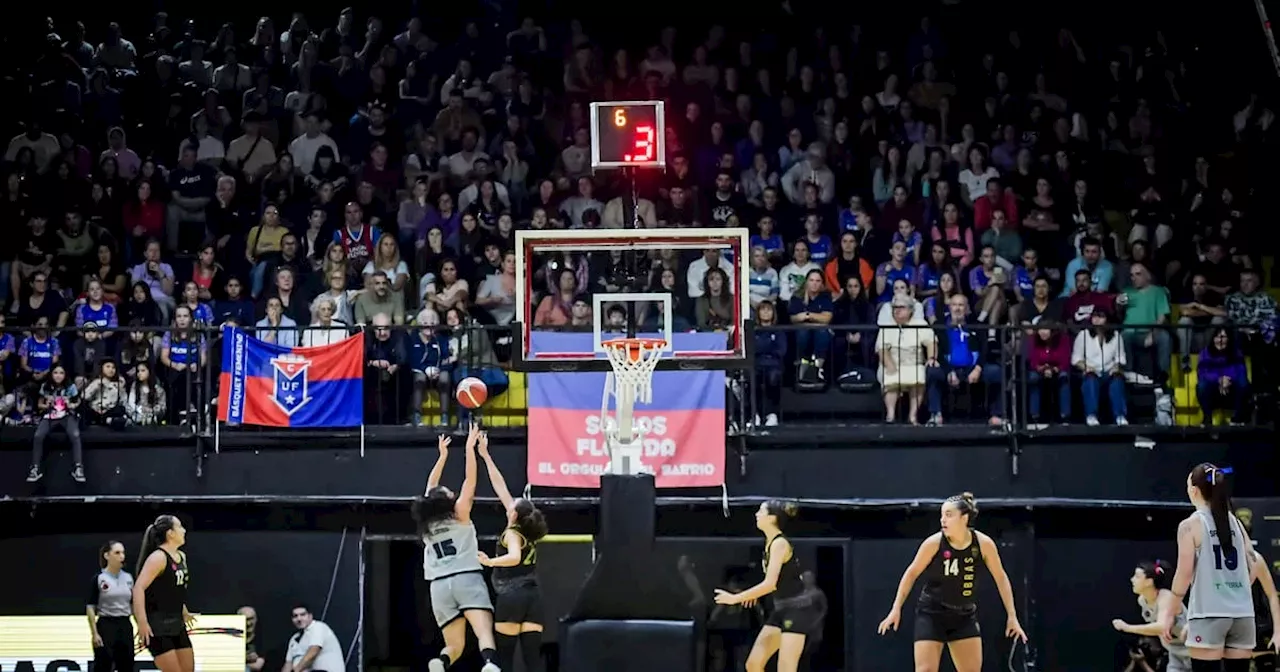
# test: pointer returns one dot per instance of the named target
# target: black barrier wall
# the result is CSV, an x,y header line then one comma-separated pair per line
x,y
1099,466
1069,565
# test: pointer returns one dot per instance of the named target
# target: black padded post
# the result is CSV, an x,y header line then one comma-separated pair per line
x,y
629,646
633,612
627,514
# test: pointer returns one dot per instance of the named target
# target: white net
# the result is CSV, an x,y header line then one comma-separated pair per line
x,y
630,382
634,362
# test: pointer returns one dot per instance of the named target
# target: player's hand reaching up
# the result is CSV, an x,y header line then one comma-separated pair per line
x,y
473,436
1012,628
890,622
442,444
483,445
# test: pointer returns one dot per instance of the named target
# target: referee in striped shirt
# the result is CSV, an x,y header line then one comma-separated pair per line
x,y
109,606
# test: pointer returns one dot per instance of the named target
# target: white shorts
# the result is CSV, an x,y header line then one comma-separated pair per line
x,y
454,595
1222,633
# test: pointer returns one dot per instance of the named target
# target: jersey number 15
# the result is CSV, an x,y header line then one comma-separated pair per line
x,y
444,549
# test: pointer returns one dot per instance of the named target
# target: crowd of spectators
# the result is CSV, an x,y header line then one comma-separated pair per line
x,y
315,176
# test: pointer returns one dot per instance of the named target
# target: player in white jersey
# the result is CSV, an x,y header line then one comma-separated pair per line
x,y
451,561
1150,582
1216,566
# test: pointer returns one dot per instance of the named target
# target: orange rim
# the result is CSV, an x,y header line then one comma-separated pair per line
x,y
633,346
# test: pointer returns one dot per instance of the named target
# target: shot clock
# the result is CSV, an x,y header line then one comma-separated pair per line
x,y
628,134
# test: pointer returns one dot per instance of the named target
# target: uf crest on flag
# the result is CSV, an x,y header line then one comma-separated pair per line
x,y
274,386
290,389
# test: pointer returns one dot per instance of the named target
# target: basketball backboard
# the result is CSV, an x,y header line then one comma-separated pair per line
x,y
581,287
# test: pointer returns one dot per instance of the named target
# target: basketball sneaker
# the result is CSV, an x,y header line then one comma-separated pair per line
x,y
490,667
435,665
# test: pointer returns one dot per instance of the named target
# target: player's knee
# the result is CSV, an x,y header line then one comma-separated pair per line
x,y
922,666
756,662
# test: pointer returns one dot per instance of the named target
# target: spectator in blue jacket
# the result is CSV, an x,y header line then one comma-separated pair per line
x,y
1222,379
431,363
962,362
237,307
770,349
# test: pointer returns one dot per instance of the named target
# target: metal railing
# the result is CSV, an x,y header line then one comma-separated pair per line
x,y
850,389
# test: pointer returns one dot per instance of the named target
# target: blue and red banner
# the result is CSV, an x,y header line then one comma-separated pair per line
x,y
274,386
684,437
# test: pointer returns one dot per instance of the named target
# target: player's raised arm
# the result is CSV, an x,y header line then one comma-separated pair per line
x,y
991,556
495,475
433,479
924,555
467,495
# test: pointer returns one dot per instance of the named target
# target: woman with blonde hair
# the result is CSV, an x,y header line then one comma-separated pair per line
x,y
905,349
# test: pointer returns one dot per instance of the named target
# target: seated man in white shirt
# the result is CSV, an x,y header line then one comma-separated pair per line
x,y
314,648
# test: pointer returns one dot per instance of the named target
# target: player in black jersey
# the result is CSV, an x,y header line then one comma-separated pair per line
x,y
517,613
795,612
160,596
1265,604
947,613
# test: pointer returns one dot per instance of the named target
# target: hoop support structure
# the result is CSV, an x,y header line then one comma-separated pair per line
x,y
630,381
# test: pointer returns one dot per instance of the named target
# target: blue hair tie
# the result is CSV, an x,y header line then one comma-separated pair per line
x,y
1224,470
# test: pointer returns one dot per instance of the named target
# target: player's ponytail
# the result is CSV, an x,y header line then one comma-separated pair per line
x,y
782,511
530,521
155,535
966,504
1214,484
1160,572
430,509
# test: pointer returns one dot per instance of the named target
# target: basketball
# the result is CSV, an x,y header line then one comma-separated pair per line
x,y
472,392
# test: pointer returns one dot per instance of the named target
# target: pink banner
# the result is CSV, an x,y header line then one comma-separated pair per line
x,y
683,449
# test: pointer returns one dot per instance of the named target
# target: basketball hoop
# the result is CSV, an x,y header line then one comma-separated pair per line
x,y
634,360
631,382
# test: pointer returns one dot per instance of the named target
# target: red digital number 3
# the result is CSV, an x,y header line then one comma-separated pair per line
x,y
644,137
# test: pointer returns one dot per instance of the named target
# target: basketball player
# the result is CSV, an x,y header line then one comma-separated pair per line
x,y
1150,582
109,606
160,596
947,612
794,614
1221,631
1265,605
518,612
1267,648
451,561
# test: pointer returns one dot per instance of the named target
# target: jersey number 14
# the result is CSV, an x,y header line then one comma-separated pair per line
x,y
951,567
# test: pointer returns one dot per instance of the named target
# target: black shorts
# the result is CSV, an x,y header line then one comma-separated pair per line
x,y
161,644
803,619
518,602
1265,635
946,627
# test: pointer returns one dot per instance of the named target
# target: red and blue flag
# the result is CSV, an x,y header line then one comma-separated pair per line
x,y
274,386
